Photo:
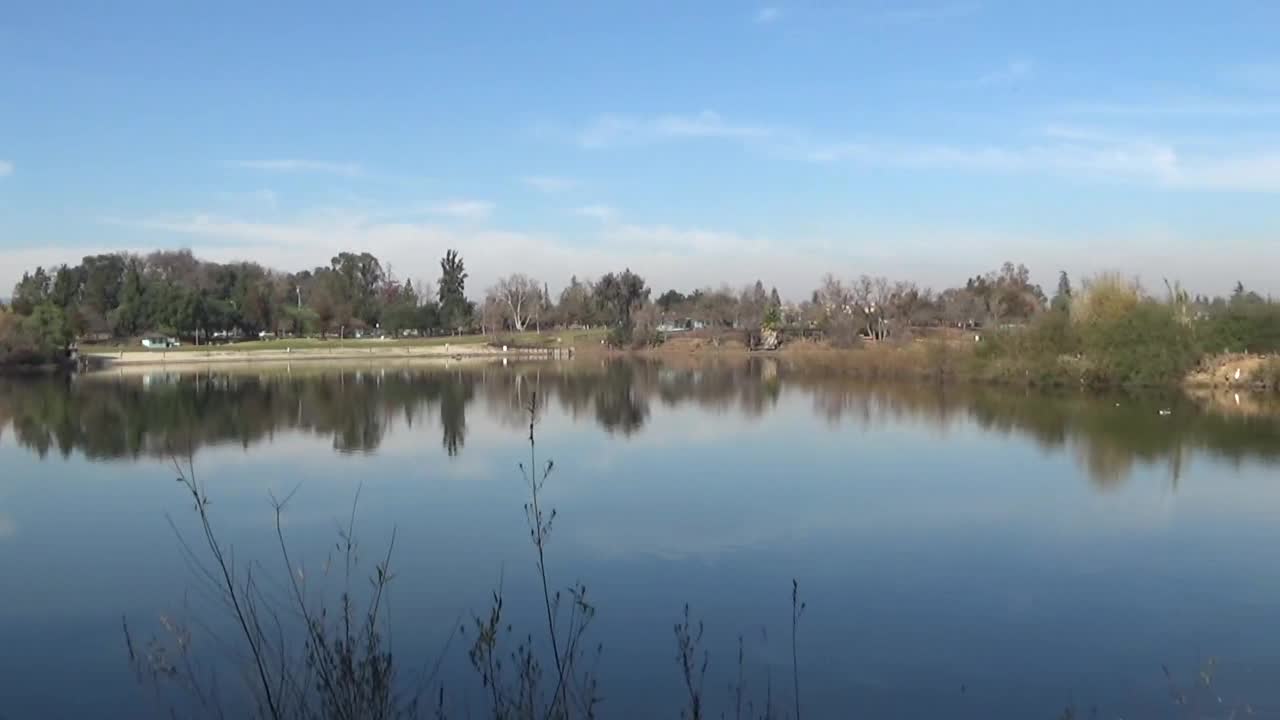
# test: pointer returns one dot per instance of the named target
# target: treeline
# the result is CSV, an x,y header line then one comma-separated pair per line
x,y
1113,333
173,293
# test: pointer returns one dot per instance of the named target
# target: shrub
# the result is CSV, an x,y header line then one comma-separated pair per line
x,y
1144,346
1267,374
644,327
1036,354
39,338
1242,327
618,337
1106,297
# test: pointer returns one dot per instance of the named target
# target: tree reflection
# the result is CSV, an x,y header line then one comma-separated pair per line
x,y
124,416
453,411
620,406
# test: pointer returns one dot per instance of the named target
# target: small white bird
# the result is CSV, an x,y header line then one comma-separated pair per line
x,y
1237,373
1166,412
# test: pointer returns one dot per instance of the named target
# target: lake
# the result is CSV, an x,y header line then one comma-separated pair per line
x,y
962,552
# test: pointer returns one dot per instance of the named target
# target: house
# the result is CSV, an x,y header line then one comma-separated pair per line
x,y
159,343
682,325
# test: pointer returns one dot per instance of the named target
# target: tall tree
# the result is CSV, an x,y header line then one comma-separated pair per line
x,y
362,277
670,300
128,317
31,291
577,303
618,293
455,311
1062,299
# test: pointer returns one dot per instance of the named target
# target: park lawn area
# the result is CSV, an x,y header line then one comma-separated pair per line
x,y
527,339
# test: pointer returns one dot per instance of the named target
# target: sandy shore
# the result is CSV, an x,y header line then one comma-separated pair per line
x,y
200,358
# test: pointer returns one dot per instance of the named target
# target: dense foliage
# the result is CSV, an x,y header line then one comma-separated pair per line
x,y
1106,332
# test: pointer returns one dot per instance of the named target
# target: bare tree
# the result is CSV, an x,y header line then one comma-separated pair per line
x,y
521,296
881,305
833,296
492,314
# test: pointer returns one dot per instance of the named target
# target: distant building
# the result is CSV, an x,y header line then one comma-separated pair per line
x,y
683,325
159,343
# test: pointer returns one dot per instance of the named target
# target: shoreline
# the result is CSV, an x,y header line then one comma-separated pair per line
x,y
880,362
429,353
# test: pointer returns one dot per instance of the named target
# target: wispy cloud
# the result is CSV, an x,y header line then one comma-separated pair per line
x,y
928,14
603,213
1012,72
611,130
549,183
6,168
1092,154
766,15
1059,150
463,209
1175,107
302,166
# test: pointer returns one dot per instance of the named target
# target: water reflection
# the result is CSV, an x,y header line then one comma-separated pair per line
x,y
109,416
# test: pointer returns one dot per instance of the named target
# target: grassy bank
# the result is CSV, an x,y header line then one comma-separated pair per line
x,y
569,338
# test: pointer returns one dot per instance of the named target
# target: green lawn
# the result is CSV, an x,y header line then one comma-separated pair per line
x,y
567,337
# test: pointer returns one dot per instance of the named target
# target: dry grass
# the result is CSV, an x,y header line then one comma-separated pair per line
x,y
1236,370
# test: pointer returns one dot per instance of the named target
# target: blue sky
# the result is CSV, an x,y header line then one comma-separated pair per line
x,y
695,142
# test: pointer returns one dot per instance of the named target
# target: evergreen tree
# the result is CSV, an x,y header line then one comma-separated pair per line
x,y
455,311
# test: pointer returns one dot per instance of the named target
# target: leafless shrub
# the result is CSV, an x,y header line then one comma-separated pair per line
x,y
569,614
344,669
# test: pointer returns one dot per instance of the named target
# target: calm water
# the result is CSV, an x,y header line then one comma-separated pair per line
x,y
963,553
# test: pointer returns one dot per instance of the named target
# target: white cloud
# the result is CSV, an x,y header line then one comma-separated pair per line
x,y
1084,154
6,168
1063,150
611,130
766,15
1011,73
603,213
1135,160
464,209
1176,107
302,166
549,183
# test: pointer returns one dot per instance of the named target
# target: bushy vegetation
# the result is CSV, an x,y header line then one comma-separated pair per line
x,y
1267,374
39,338
1115,334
